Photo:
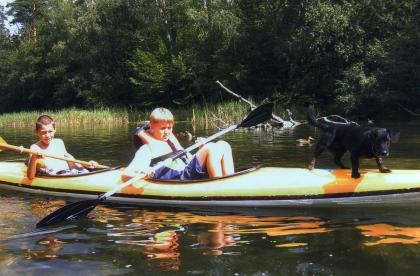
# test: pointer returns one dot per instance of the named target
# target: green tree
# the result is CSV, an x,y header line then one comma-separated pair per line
x,y
27,13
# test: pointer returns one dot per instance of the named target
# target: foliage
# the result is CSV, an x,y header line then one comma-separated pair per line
x,y
352,57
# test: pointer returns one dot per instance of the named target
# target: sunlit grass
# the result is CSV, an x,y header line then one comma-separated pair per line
x,y
73,116
205,116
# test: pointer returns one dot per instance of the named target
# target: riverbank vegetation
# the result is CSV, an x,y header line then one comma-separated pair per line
x,y
209,115
357,58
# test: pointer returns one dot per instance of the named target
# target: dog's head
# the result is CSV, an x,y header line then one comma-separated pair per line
x,y
382,139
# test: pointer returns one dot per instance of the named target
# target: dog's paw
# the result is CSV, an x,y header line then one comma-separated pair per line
x,y
355,175
311,164
384,170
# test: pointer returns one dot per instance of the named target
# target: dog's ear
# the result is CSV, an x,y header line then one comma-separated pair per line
x,y
395,135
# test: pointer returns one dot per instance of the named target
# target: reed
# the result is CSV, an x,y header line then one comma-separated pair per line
x,y
209,115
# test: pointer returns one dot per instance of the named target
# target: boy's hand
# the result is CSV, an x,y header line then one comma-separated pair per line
x,y
149,173
93,164
199,140
39,155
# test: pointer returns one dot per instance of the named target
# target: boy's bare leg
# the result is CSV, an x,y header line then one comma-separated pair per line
x,y
217,158
210,158
227,159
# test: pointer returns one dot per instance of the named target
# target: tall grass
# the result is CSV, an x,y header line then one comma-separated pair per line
x,y
203,116
220,115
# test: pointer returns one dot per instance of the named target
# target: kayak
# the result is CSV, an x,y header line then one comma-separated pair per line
x,y
255,187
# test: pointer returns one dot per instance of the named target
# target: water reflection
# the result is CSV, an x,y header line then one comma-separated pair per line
x,y
390,234
158,233
51,247
166,239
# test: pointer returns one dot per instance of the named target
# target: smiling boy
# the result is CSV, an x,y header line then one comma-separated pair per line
x,y
47,144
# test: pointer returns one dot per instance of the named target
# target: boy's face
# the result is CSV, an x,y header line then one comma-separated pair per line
x,y
46,134
161,130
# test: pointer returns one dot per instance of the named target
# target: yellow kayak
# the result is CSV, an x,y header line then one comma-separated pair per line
x,y
256,187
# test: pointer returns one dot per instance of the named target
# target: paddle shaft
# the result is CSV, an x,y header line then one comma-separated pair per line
x,y
29,151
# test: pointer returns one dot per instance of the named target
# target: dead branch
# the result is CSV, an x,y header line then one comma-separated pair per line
x,y
275,118
408,110
336,119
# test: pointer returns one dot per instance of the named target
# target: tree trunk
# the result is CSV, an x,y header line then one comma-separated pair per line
x,y
170,29
32,24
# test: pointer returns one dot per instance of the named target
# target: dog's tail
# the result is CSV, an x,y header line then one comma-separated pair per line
x,y
310,115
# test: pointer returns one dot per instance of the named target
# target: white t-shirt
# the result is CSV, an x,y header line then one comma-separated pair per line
x,y
55,148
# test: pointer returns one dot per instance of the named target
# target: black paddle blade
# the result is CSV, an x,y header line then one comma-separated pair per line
x,y
69,212
259,115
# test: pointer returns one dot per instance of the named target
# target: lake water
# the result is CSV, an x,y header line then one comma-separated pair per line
x,y
144,241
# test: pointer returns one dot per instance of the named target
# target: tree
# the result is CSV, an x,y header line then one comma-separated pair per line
x,y
27,13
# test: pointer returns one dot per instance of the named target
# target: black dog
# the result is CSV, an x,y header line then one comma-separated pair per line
x,y
362,142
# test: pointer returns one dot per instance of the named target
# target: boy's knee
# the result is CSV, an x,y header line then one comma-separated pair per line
x,y
224,146
210,146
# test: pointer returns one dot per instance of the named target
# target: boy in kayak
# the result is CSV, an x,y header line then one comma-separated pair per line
x,y
159,143
47,144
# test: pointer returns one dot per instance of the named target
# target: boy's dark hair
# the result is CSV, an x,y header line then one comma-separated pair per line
x,y
44,120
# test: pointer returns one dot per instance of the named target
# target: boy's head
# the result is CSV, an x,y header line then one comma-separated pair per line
x,y
161,123
45,129
44,120
161,115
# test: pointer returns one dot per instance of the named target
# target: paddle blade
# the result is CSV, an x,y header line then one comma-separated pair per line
x,y
2,141
259,115
69,212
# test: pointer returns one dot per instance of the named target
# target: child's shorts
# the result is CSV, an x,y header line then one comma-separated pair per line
x,y
193,170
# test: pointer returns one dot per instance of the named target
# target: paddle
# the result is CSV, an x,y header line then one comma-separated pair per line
x,y
81,208
5,145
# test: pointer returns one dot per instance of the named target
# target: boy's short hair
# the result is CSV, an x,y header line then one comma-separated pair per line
x,y
44,120
161,114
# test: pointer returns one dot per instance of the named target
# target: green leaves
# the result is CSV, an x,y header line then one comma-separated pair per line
x,y
339,54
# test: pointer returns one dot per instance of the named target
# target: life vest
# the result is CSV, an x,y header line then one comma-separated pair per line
x,y
138,142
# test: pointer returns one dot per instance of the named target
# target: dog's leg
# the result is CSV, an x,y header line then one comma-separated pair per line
x,y
355,165
381,166
337,159
319,149
323,143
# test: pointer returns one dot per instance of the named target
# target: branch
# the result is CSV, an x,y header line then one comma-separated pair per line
x,y
408,110
276,118
336,119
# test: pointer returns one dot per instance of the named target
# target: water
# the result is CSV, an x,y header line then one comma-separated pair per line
x,y
117,240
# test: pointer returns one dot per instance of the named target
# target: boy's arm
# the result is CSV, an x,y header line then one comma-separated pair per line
x,y
35,162
31,171
139,165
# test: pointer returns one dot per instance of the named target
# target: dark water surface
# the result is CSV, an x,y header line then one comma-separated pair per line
x,y
116,240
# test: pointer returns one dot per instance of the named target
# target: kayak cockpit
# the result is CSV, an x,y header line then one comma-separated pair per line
x,y
91,172
178,181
